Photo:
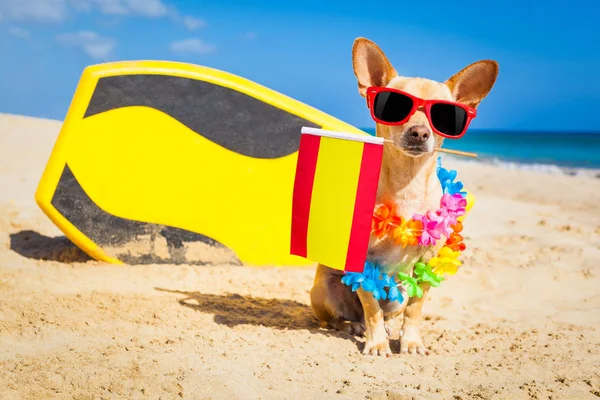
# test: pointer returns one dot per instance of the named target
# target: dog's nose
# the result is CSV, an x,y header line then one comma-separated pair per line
x,y
418,134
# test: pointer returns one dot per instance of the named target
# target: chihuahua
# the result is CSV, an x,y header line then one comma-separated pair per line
x,y
408,180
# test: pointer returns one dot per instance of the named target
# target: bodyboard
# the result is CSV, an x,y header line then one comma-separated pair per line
x,y
155,157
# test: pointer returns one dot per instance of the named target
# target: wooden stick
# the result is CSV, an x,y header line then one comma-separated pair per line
x,y
457,152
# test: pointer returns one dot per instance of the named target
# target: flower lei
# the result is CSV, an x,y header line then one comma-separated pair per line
x,y
422,230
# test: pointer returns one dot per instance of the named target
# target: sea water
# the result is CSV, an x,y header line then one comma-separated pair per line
x,y
572,150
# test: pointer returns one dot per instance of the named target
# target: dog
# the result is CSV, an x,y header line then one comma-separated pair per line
x,y
408,180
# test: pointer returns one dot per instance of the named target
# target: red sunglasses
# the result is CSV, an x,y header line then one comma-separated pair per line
x,y
394,107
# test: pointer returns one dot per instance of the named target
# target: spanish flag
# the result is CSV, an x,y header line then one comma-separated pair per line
x,y
334,196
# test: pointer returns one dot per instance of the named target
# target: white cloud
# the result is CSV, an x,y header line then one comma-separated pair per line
x,y
59,10
110,7
147,8
144,8
192,23
195,46
34,10
19,32
94,45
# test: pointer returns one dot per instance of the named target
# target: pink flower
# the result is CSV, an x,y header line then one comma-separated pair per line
x,y
453,206
433,228
446,222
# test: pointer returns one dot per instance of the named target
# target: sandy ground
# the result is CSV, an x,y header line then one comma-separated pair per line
x,y
520,320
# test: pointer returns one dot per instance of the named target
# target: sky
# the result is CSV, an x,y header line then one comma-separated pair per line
x,y
548,51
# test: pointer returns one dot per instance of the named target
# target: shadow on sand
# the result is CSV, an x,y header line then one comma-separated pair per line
x,y
33,245
234,309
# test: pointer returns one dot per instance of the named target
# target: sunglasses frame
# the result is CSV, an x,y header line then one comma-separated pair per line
x,y
373,91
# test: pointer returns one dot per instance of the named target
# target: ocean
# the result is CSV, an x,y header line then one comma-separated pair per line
x,y
565,150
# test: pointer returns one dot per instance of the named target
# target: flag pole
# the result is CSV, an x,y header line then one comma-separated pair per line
x,y
372,139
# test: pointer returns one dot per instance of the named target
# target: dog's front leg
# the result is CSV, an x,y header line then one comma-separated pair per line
x,y
411,341
376,338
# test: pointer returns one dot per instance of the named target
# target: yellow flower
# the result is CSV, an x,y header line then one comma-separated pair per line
x,y
470,202
446,262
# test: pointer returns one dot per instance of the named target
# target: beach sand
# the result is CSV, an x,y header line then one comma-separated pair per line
x,y
520,319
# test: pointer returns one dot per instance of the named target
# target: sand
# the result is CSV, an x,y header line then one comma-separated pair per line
x,y
520,320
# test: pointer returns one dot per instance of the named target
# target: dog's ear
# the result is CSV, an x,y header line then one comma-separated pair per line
x,y
371,66
474,82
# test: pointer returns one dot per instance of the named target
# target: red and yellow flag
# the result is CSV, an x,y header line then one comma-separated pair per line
x,y
334,195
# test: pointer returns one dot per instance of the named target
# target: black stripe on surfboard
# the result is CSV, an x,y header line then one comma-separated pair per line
x,y
230,118
118,236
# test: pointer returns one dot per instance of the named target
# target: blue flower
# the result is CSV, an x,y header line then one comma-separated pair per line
x,y
372,280
353,279
394,294
447,178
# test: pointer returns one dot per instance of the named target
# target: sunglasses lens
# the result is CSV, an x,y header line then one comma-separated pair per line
x,y
391,106
448,119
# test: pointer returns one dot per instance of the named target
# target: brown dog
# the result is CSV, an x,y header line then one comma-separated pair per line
x,y
407,179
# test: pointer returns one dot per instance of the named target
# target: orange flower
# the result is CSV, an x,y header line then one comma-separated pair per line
x,y
454,238
408,233
458,227
455,241
457,246
384,219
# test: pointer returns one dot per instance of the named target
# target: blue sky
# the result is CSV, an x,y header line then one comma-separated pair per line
x,y
549,52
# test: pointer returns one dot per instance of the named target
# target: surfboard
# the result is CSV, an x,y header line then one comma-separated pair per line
x,y
157,160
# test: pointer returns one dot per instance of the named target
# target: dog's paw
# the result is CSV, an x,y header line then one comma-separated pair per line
x,y
349,327
353,328
411,343
377,348
357,329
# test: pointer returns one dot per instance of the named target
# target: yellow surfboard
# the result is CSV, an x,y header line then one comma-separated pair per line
x,y
154,156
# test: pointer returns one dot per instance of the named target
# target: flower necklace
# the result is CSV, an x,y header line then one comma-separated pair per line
x,y
420,230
